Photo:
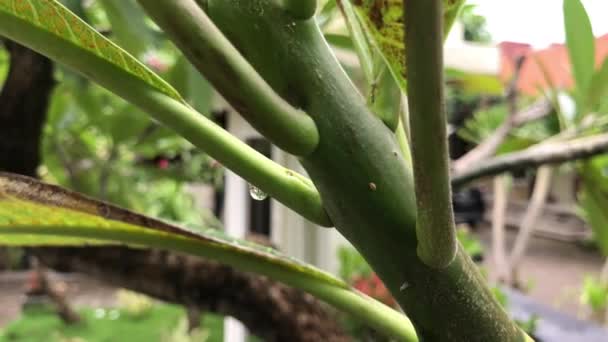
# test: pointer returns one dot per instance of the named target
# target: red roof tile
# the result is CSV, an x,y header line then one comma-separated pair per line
x,y
553,60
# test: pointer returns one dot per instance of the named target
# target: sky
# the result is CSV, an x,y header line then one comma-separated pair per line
x,y
537,22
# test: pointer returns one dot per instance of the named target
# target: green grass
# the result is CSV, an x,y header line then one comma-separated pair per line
x,y
160,323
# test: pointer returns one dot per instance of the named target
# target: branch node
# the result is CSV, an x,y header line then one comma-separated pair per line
x,y
435,231
300,9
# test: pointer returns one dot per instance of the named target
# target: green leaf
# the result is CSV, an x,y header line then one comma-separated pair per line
x,y
358,35
384,95
595,294
49,18
382,24
598,88
127,124
129,27
385,98
3,65
30,207
35,214
469,242
326,14
565,121
483,123
339,41
594,200
472,84
196,90
580,42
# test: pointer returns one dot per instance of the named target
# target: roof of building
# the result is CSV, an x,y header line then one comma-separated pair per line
x,y
545,68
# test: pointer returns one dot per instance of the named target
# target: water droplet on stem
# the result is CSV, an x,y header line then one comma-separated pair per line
x,y
256,193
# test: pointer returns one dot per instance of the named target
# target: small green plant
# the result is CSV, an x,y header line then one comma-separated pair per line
x,y
595,296
98,324
470,243
356,272
352,264
134,304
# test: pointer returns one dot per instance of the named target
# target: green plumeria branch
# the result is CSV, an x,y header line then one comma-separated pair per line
x,y
222,64
34,214
374,207
435,229
50,29
299,9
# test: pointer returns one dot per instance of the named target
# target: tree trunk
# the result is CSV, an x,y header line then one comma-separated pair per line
x,y
23,103
269,309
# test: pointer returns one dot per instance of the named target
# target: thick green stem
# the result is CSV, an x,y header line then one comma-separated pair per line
x,y
424,59
299,9
364,184
364,181
222,64
284,185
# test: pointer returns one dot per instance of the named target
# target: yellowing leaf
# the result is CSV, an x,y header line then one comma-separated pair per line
x,y
52,17
34,214
383,22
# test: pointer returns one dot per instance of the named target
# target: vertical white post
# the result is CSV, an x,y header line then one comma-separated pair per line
x,y
236,192
235,223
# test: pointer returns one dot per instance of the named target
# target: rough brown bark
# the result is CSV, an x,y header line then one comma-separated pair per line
x,y
269,309
23,102
46,287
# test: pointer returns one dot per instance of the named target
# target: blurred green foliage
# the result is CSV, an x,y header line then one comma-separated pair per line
x,y
159,323
4,63
595,295
41,324
475,25
100,145
352,264
486,120
469,242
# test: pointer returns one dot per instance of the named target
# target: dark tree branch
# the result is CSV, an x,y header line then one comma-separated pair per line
x,y
536,111
64,310
488,147
23,102
270,310
549,153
